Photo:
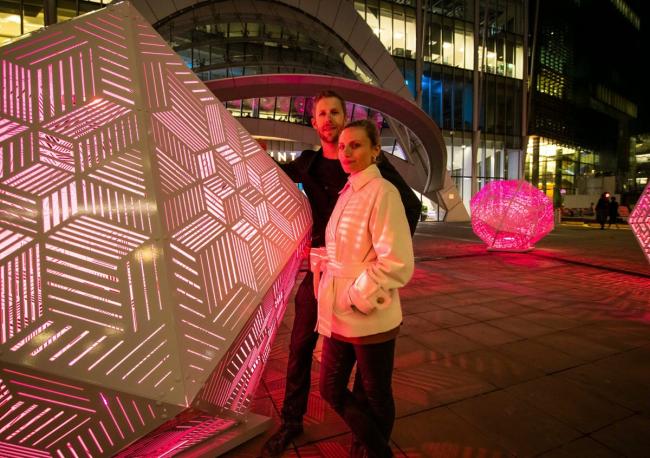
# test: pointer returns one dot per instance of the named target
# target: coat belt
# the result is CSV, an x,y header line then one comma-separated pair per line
x,y
319,263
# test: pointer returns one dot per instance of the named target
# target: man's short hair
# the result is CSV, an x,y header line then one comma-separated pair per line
x,y
325,95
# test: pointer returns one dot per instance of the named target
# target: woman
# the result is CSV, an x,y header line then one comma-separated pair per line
x,y
369,255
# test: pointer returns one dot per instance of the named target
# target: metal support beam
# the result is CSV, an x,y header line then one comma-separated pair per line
x,y
49,12
419,49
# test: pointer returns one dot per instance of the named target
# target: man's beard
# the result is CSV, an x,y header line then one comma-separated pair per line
x,y
329,136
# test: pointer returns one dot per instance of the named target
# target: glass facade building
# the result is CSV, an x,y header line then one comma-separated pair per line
x,y
471,58
469,51
582,99
468,71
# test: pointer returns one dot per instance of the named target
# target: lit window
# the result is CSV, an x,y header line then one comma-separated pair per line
x,y
9,26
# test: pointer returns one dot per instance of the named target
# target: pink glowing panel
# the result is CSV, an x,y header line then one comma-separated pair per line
x,y
511,215
639,221
147,244
171,439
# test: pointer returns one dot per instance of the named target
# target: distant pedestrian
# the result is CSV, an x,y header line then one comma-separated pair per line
x,y
613,212
602,210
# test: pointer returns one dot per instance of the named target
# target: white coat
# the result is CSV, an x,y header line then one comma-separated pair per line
x,y
369,256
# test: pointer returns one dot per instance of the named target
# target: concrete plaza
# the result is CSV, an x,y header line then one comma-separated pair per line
x,y
500,355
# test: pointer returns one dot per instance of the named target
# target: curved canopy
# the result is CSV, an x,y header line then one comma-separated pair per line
x,y
387,102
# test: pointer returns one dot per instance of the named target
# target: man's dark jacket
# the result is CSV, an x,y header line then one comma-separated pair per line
x,y
300,172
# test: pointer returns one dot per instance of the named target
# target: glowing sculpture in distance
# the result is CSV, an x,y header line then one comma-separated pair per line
x,y
511,215
148,246
639,221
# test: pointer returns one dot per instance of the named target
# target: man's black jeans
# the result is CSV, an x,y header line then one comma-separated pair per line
x,y
370,412
301,349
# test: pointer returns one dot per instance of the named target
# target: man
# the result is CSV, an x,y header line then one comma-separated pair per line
x,y
322,177
602,209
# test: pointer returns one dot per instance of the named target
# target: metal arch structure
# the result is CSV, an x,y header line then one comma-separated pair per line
x,y
386,102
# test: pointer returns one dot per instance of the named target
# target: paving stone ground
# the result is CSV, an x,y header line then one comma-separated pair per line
x,y
543,354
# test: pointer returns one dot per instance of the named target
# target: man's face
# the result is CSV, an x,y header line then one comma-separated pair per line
x,y
328,119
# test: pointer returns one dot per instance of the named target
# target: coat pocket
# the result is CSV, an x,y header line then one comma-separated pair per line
x,y
342,304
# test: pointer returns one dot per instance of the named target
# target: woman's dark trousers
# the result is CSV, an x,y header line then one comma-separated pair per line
x,y
370,419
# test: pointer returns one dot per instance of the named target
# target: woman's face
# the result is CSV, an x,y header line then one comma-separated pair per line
x,y
355,150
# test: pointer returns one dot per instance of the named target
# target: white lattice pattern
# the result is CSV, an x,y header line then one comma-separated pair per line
x,y
639,220
147,243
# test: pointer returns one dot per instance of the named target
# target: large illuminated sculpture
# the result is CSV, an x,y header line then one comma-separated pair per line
x,y
639,221
511,215
147,246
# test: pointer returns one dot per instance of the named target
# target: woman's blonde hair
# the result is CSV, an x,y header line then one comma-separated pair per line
x,y
369,126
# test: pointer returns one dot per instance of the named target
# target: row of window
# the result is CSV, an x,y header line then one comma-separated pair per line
x,y
295,109
491,160
500,15
448,93
221,56
559,163
212,50
181,34
18,17
447,41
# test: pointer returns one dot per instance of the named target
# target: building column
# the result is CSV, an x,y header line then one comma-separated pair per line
x,y
576,173
525,99
49,12
476,100
515,158
534,177
557,181
622,156
420,30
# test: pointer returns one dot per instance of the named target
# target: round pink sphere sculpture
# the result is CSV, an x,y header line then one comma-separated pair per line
x,y
511,215
639,221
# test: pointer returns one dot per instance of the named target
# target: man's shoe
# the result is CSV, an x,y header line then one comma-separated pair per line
x,y
279,441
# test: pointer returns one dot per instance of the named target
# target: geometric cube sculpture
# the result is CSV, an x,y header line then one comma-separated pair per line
x,y
639,221
511,215
148,245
